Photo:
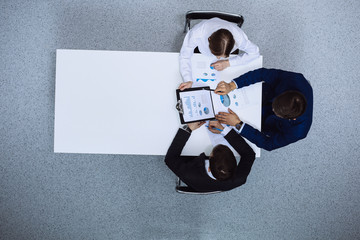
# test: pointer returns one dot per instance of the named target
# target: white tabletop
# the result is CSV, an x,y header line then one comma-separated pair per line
x,y
116,102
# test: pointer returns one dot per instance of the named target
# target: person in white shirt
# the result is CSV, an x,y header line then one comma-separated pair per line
x,y
219,38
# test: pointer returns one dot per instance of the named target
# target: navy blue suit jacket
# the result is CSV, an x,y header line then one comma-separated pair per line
x,y
277,132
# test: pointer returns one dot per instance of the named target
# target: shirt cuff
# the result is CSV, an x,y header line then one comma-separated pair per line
x,y
239,131
231,61
235,84
186,128
225,131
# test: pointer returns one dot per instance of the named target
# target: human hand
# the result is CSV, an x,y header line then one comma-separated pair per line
x,y
185,85
215,126
220,65
224,88
195,125
229,118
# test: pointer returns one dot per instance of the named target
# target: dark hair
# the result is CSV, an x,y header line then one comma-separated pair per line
x,y
222,162
289,104
221,42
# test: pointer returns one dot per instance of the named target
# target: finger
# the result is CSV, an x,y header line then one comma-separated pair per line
x,y
222,83
216,124
221,118
230,111
214,131
212,124
222,121
224,113
219,89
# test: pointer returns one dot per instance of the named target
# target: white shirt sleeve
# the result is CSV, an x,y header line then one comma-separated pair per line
x,y
251,51
191,41
225,131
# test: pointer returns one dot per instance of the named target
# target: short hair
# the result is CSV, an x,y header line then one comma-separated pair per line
x,y
222,162
289,104
221,42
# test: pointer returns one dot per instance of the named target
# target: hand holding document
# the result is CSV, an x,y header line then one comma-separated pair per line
x,y
224,88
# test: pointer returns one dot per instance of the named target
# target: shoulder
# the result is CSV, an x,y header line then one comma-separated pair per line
x,y
300,128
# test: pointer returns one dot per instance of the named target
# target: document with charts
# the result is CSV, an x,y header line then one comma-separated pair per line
x,y
195,104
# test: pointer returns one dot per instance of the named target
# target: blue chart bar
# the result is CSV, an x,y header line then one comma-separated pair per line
x,y
188,104
205,79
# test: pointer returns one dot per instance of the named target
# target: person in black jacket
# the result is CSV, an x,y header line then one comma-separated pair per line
x,y
219,171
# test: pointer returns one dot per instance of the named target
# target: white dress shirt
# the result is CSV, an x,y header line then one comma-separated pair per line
x,y
198,37
207,165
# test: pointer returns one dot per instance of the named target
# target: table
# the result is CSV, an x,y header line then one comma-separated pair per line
x,y
121,102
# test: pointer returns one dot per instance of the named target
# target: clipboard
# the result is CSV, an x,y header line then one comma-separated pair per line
x,y
195,104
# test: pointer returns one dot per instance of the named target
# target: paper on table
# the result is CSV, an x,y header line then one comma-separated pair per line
x,y
239,102
235,100
203,74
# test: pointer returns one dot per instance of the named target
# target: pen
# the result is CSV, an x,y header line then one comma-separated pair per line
x,y
213,90
215,128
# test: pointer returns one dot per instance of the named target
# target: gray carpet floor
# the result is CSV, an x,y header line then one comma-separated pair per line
x,y
307,190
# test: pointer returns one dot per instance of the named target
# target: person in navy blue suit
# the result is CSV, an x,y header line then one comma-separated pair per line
x,y
287,107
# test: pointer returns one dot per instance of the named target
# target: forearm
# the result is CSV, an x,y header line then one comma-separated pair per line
x,y
185,69
177,144
186,52
243,59
264,141
239,144
249,78
247,155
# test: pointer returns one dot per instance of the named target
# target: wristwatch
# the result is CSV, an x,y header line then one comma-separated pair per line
x,y
239,125
186,128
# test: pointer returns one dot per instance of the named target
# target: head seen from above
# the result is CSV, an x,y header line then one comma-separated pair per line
x,y
221,43
289,105
222,162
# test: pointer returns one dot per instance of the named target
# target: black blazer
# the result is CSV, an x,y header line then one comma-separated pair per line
x,y
191,170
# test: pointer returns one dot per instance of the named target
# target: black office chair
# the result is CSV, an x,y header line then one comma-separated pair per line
x,y
196,15
188,190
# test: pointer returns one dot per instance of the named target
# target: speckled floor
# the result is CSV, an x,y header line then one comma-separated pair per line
x,y
308,190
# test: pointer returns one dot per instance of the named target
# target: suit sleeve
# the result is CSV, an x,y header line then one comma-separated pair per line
x,y
173,159
247,155
276,140
270,76
191,41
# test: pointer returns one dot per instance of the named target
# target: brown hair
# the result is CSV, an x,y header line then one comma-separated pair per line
x,y
221,42
289,104
222,162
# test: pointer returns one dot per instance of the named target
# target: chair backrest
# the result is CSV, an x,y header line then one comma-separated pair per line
x,y
188,190
194,15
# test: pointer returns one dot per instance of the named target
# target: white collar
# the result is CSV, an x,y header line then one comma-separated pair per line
x,y
207,165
